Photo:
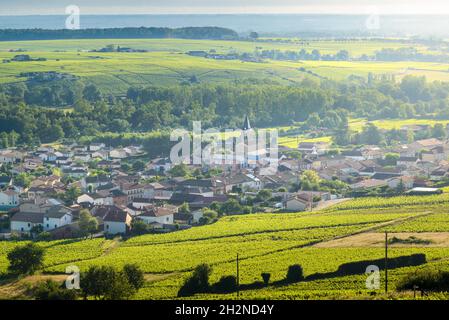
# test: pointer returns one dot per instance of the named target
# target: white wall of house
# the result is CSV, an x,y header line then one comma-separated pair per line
x,y
295,205
9,200
111,227
168,219
53,223
22,226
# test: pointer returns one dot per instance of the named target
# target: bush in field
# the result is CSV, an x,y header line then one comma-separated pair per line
x,y
26,259
226,284
425,280
198,281
294,274
52,290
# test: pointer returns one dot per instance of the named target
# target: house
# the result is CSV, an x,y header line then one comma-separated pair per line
x,y
117,222
96,146
32,163
133,190
434,154
10,156
317,148
243,182
159,165
118,154
407,161
296,204
9,199
62,161
5,181
83,157
76,173
23,222
426,144
108,164
407,182
56,217
92,183
162,215
368,184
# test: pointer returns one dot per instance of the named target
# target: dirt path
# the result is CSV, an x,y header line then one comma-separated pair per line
x,y
330,203
369,230
376,239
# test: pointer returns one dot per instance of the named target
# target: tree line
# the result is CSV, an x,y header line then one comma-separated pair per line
x,y
119,33
31,113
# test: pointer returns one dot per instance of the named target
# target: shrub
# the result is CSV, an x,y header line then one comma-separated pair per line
x,y
294,273
226,284
51,290
26,259
266,278
197,283
425,280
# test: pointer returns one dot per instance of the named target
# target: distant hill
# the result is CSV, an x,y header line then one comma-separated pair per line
x,y
215,33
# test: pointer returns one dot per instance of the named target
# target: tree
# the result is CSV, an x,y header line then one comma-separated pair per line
x,y
138,165
138,227
26,259
438,131
371,134
104,282
254,35
87,223
179,170
134,275
310,180
92,93
198,282
72,194
184,208
22,180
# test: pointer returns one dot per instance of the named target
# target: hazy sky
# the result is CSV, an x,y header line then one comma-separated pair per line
x,y
25,7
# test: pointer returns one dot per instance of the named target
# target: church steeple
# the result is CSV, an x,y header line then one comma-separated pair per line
x,y
246,124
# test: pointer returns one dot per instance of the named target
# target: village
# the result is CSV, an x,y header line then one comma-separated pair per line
x,y
44,191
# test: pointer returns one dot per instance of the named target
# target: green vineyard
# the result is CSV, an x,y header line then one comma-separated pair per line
x,y
269,243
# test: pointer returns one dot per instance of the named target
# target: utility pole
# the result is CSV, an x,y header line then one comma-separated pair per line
x,y
386,262
238,277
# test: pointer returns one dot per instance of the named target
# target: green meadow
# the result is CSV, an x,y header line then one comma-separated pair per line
x,y
167,64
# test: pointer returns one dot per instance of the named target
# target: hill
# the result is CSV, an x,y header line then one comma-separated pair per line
x,y
320,242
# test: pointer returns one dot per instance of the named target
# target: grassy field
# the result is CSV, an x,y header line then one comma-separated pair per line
x,y
357,126
167,64
270,243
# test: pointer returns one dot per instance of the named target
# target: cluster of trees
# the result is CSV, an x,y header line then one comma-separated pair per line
x,y
119,33
372,135
25,116
314,55
406,54
99,282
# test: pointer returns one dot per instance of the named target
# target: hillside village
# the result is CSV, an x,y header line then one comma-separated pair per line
x,y
44,190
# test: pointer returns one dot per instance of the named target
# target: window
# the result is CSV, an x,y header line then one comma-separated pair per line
x,y
48,226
